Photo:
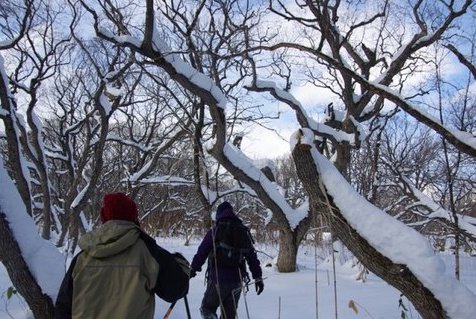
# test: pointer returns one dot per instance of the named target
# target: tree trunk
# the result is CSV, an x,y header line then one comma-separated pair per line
x,y
64,231
343,159
40,304
46,198
397,275
14,162
288,249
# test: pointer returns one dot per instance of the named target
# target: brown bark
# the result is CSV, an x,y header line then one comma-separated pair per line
x,y
397,275
289,241
40,304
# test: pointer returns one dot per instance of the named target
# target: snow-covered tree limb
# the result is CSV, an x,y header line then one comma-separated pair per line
x,y
418,273
16,159
326,22
35,266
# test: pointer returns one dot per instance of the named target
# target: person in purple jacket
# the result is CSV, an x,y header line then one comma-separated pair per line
x,y
224,282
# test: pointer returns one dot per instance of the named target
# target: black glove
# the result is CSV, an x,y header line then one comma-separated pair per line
x,y
193,273
259,285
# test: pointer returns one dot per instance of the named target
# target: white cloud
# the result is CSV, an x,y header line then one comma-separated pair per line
x,y
312,97
259,142
262,143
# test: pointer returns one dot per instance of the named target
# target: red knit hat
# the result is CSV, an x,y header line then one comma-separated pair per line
x,y
119,206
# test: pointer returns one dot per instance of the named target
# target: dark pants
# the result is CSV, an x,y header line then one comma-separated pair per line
x,y
227,300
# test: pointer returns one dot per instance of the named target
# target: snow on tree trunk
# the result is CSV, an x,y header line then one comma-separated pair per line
x,y
397,275
34,265
14,159
40,304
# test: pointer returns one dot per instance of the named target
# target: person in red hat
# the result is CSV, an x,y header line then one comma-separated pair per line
x,y
115,274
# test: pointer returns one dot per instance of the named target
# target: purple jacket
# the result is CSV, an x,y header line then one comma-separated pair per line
x,y
225,274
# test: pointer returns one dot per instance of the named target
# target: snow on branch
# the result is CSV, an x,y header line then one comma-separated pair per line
x,y
243,163
463,141
166,179
303,118
105,104
177,132
154,47
80,196
111,137
4,78
436,212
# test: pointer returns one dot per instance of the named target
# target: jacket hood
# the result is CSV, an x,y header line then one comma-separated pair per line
x,y
225,211
110,238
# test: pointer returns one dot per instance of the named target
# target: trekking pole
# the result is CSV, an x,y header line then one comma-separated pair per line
x,y
169,311
246,304
243,288
324,192
187,308
217,285
252,282
172,305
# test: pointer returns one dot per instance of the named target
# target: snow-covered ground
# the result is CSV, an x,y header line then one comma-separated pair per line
x,y
287,295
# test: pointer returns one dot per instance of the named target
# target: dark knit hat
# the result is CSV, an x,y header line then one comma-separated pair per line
x,y
224,210
119,206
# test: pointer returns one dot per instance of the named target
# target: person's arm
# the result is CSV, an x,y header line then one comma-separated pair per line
x,y
253,264
203,251
255,268
155,251
64,301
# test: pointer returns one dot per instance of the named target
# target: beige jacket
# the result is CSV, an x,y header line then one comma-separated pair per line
x,y
115,275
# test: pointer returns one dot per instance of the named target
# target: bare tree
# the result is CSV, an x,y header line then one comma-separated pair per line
x,y
17,20
23,16
32,67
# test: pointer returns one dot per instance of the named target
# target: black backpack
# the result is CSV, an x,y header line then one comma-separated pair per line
x,y
232,242
174,272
